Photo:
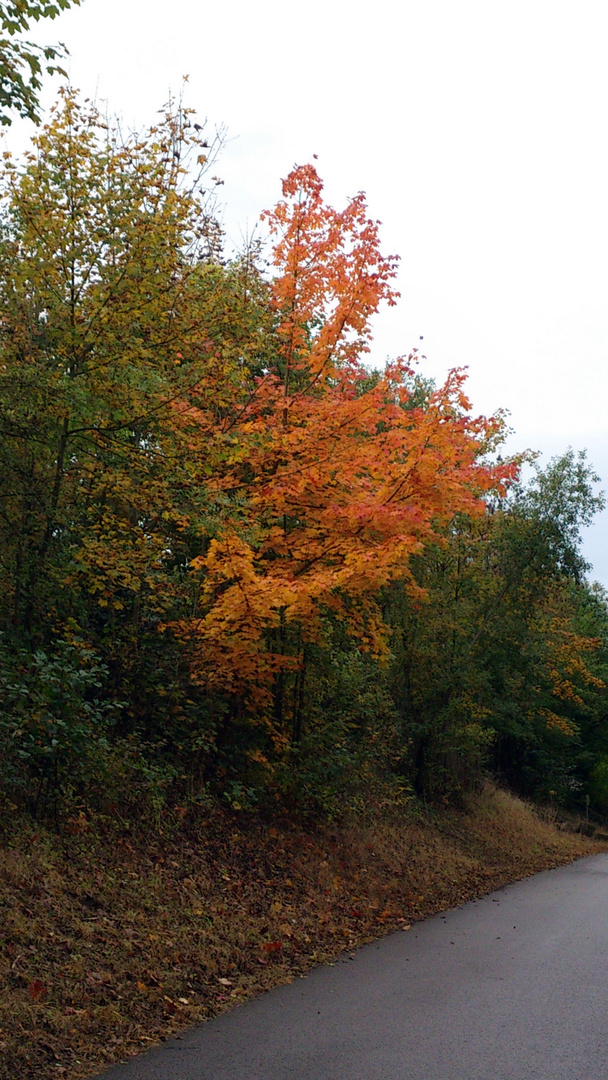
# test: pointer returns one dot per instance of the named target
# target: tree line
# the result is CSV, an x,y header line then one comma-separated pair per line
x,y
236,561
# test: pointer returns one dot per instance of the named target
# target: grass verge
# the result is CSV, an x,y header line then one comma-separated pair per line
x,y
114,939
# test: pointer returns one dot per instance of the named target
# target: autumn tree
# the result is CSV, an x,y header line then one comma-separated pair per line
x,y
335,481
100,334
109,260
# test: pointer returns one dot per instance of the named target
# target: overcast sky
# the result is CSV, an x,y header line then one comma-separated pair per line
x,y
478,132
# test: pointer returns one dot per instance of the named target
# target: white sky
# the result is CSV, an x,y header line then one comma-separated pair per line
x,y
478,132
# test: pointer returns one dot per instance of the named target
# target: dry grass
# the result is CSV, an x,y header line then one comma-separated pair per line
x,y
113,942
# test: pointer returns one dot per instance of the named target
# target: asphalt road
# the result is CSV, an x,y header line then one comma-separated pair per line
x,y
510,987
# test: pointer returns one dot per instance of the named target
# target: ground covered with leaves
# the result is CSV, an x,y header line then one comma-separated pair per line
x,y
114,938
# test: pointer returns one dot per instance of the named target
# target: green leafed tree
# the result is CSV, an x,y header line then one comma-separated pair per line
x,y
23,62
505,663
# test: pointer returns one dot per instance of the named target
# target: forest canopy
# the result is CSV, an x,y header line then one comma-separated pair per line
x,y
236,561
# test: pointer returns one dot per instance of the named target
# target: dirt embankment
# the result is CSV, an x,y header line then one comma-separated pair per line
x,y
111,942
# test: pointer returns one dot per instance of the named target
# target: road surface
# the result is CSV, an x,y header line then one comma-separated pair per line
x,y
510,987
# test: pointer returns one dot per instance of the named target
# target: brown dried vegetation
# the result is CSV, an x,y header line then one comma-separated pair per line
x,y
114,938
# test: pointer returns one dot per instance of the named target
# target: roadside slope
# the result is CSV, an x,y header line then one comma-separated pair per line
x,y
111,943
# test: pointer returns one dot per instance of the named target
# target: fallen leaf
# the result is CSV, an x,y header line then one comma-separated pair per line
x,y
38,991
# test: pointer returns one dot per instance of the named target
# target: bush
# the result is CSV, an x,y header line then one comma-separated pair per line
x,y
53,727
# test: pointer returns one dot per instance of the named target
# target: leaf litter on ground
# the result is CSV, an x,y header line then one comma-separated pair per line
x,y
115,939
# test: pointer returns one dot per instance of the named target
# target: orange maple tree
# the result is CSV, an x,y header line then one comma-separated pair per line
x,y
337,478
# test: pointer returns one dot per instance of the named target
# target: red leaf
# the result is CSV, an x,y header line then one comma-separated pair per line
x,y
38,991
